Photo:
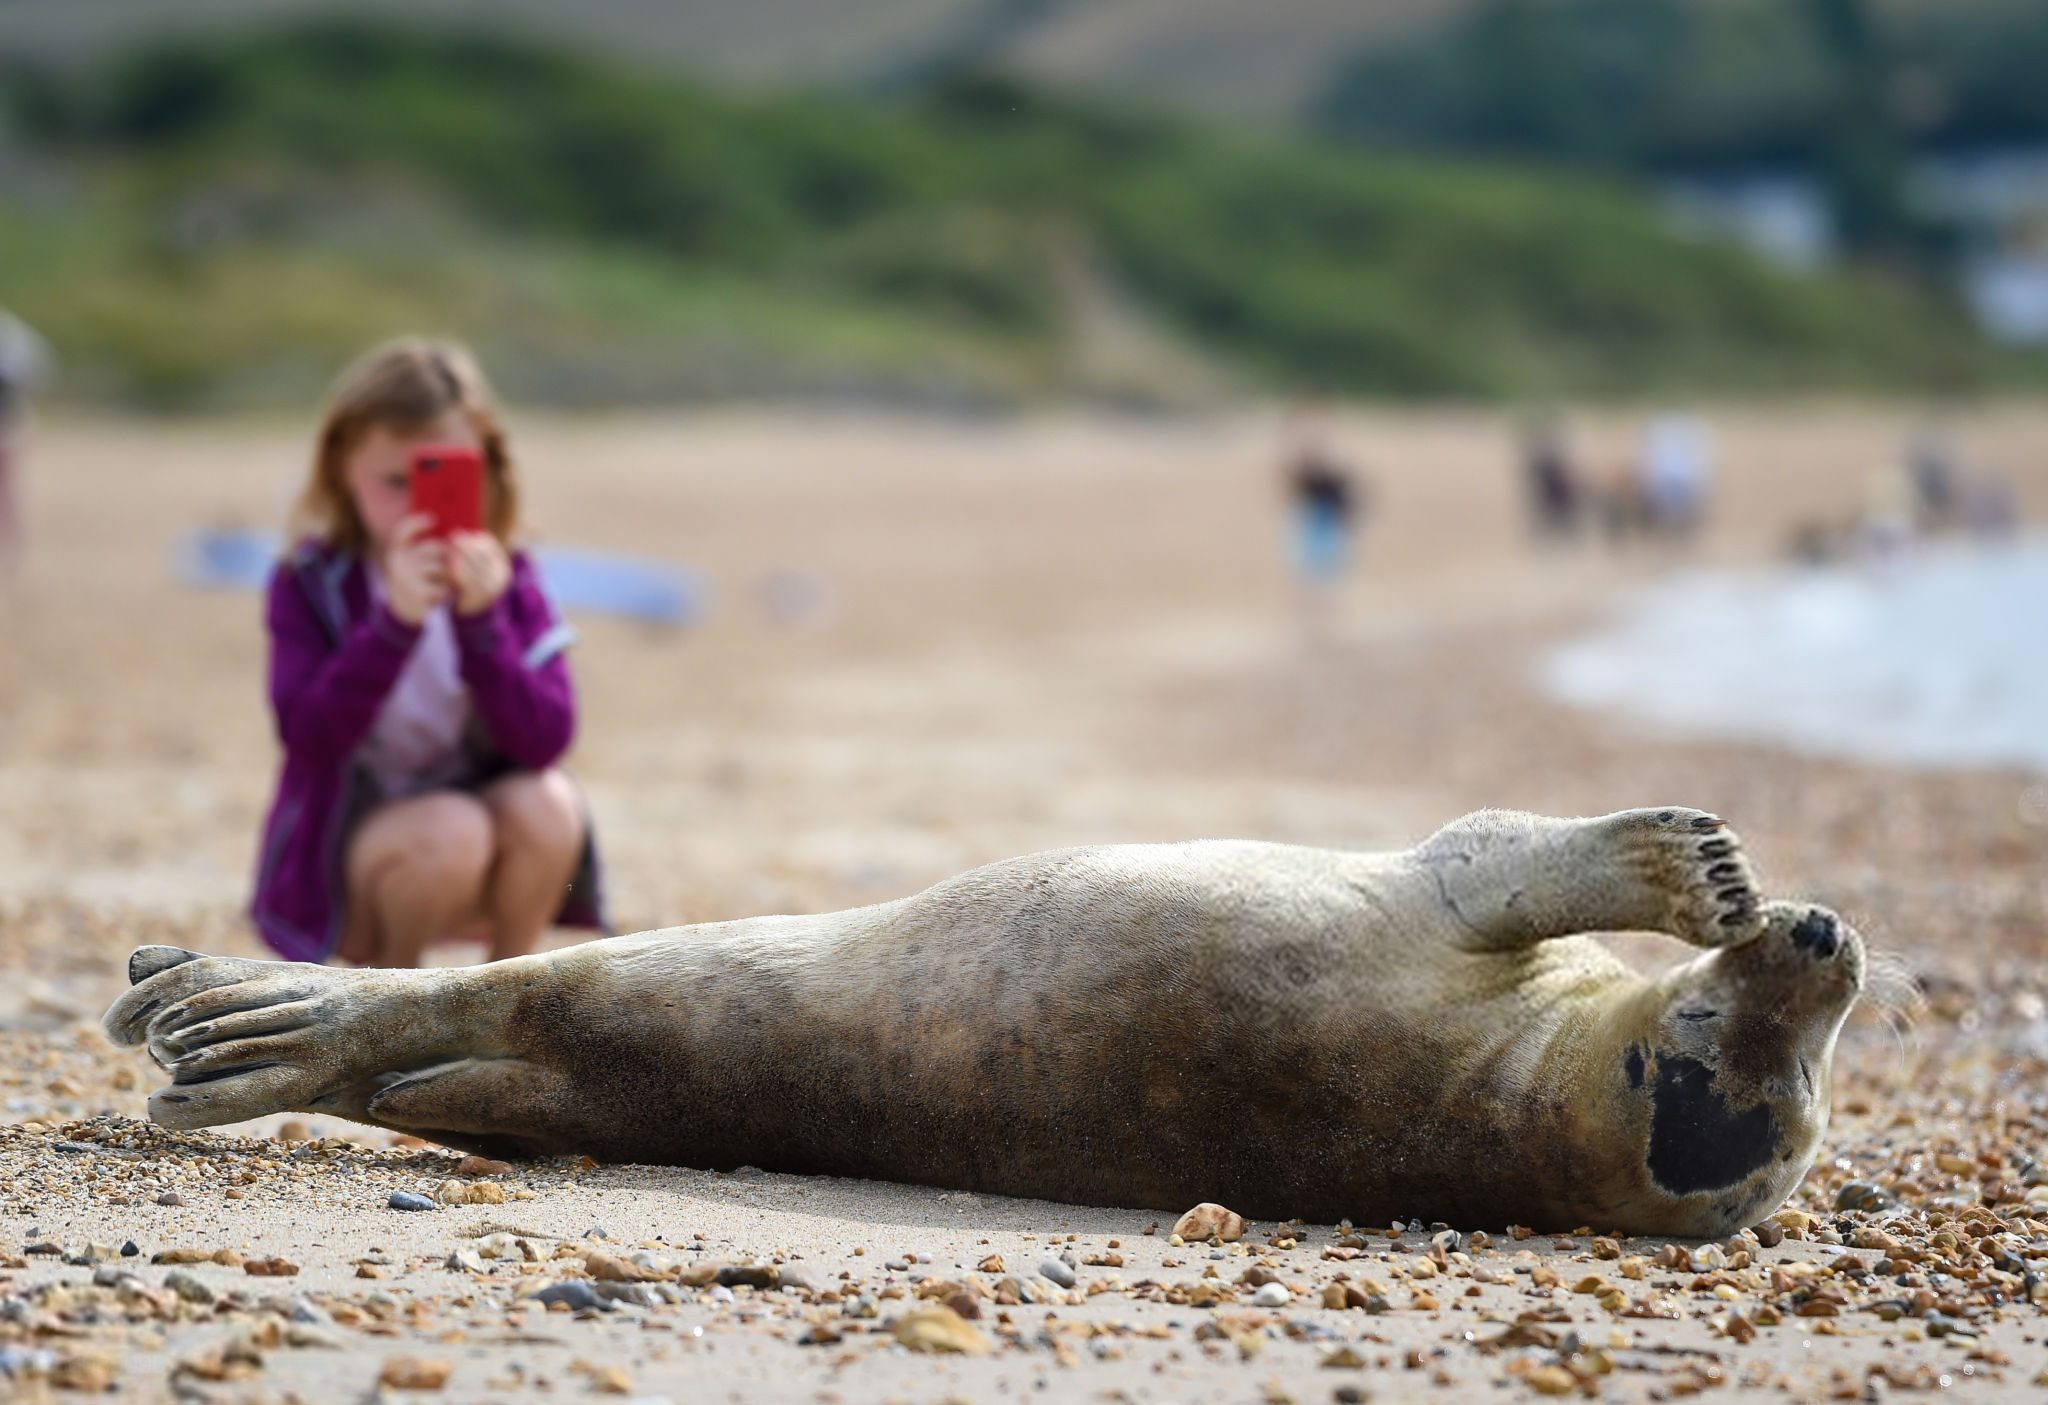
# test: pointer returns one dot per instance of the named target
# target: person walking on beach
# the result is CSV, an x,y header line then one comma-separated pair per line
x,y
1557,499
1676,472
1328,502
422,695
25,364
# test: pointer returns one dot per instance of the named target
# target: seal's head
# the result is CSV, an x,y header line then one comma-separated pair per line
x,y
1733,1067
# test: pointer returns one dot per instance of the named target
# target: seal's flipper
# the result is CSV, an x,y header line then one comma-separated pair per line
x,y
498,1104
1512,880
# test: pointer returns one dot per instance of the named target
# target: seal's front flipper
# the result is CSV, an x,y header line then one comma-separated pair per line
x,y
1512,880
502,1106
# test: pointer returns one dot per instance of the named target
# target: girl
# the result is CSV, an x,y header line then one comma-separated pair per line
x,y
421,693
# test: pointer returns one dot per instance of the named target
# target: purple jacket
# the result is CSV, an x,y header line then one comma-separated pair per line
x,y
334,656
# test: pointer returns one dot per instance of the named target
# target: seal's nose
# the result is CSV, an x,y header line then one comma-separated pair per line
x,y
1818,934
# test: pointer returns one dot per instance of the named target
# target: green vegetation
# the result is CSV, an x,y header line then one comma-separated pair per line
x,y
224,224
1843,87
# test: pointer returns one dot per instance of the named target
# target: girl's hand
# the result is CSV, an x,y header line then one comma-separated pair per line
x,y
480,570
415,569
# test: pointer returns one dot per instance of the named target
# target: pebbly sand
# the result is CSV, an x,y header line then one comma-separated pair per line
x,y
1037,634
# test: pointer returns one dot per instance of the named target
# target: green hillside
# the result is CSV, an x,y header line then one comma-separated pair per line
x,y
222,224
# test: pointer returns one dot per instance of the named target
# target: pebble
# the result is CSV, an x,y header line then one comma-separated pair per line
x,y
575,1294
406,1200
188,1287
170,1197
129,1249
1209,1220
1272,1295
940,1329
1058,1272
415,1373
790,1276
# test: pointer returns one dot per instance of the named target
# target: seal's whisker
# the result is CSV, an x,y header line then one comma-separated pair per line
x,y
1892,991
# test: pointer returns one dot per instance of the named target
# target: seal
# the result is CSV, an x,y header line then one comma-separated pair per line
x,y
1289,1031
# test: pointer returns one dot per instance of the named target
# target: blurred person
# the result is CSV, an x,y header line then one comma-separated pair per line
x,y
1888,529
1989,507
422,694
1328,502
1557,498
1675,470
1931,470
25,365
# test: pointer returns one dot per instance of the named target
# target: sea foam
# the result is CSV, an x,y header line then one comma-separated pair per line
x,y
1939,660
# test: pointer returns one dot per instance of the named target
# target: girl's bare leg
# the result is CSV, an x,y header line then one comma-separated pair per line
x,y
416,874
538,822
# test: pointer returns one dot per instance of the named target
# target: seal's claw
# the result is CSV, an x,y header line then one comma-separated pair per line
x,y
169,975
147,961
1697,863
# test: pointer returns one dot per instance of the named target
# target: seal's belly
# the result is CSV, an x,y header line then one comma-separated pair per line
x,y
1090,1026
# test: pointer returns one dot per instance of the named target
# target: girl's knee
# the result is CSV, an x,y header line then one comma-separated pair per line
x,y
539,809
437,838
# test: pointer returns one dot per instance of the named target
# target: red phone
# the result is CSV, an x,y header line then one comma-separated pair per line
x,y
448,486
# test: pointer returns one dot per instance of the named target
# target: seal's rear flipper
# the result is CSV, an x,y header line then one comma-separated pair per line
x,y
509,1105
147,961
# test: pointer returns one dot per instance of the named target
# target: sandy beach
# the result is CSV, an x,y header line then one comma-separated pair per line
x,y
1029,634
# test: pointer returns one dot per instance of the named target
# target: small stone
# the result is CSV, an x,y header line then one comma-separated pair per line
x,y
1058,1272
189,1288
293,1130
463,1261
415,1373
129,1249
170,1197
610,1268
610,1380
1770,1234
747,1276
1551,1380
1272,1295
1209,1221
574,1294
940,1329
476,1166
406,1200
276,1266
233,1359
369,1271
992,1264
85,1371
1344,1358
452,1192
793,1278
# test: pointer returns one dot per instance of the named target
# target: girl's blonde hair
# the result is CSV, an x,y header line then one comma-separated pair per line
x,y
406,386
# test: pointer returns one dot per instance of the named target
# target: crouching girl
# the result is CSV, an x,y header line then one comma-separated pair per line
x,y
422,694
